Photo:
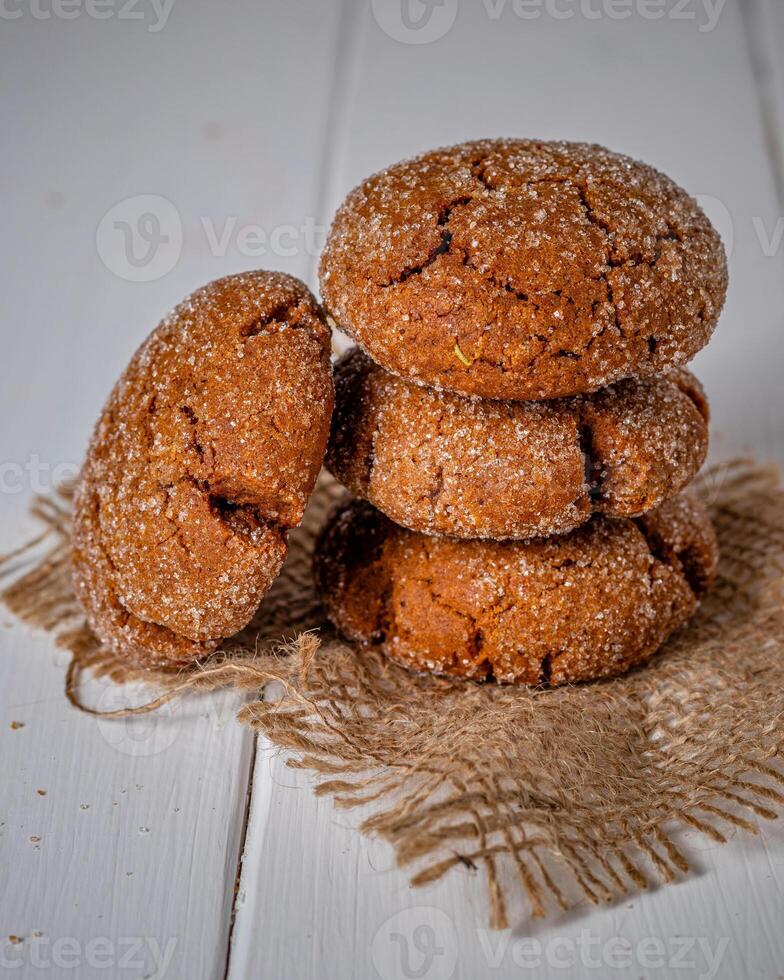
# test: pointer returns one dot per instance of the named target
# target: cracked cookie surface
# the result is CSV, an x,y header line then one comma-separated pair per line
x,y
441,463
517,269
204,456
574,607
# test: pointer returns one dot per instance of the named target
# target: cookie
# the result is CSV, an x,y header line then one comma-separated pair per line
x,y
524,270
578,606
203,457
442,463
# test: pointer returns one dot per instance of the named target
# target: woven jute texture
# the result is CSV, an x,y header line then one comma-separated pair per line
x,y
552,797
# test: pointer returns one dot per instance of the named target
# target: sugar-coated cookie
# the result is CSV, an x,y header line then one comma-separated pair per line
x,y
577,606
203,457
524,269
442,463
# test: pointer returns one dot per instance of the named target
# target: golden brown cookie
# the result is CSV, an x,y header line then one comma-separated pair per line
x,y
574,607
203,457
442,463
524,270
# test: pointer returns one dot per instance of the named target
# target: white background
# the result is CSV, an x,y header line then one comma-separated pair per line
x,y
264,114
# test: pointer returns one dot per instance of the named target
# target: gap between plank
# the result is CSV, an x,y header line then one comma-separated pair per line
x,y
335,125
337,116
754,17
241,852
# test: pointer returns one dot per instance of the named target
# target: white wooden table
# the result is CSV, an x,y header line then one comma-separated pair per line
x,y
120,843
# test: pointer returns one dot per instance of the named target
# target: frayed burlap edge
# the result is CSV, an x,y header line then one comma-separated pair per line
x,y
558,796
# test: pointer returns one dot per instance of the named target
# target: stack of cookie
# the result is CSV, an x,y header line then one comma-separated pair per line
x,y
516,424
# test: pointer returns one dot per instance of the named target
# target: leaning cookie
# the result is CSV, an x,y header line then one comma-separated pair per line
x,y
203,457
523,269
441,463
584,605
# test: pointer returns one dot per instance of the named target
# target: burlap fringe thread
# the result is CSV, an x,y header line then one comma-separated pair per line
x,y
559,796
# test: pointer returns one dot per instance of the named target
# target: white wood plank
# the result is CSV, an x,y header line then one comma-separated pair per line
x,y
118,840
217,116
315,898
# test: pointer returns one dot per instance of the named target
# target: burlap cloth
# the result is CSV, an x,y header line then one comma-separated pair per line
x,y
552,796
